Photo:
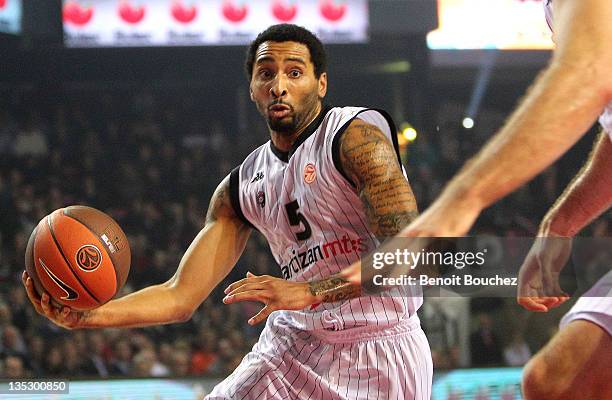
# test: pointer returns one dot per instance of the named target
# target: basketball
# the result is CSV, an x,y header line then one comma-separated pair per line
x,y
79,256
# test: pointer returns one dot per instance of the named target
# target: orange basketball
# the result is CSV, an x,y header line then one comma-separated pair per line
x,y
79,255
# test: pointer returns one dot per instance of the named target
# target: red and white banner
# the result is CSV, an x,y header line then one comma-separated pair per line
x,y
122,23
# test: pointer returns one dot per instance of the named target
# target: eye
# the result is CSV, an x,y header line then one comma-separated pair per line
x,y
295,73
265,73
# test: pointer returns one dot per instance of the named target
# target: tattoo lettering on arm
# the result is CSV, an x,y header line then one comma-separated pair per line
x,y
370,161
334,288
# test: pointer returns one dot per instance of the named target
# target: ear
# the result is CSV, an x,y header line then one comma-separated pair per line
x,y
251,94
322,85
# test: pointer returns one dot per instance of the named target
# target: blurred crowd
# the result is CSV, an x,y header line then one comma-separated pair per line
x,y
153,172
152,161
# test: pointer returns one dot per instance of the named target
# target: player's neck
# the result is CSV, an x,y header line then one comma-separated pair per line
x,y
284,141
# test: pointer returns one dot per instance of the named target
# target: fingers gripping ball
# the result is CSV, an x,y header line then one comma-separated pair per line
x,y
79,255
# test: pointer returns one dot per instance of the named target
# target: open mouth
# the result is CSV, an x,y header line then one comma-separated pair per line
x,y
278,111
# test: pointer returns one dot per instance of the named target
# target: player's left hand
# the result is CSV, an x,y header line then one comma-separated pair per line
x,y
538,280
62,316
274,293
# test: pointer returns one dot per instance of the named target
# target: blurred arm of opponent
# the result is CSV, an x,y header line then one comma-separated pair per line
x,y
209,258
586,197
560,107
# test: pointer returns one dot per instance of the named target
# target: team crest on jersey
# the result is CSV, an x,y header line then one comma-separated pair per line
x,y
261,199
310,174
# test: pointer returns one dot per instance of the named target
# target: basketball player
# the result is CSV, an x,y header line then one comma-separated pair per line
x,y
576,362
322,191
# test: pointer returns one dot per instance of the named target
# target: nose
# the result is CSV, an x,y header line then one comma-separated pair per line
x,y
279,86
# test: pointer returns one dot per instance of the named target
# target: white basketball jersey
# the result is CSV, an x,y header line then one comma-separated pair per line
x,y
313,219
605,120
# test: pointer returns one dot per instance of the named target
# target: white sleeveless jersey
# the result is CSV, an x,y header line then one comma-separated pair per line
x,y
605,120
314,221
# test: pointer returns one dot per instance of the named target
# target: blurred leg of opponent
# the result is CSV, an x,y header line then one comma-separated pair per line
x,y
577,362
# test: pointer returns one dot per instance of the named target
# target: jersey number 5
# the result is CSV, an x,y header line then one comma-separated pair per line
x,y
296,218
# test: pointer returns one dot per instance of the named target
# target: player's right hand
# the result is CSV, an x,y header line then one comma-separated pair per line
x,y
64,316
538,280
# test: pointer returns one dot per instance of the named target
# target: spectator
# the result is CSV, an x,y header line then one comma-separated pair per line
x,y
517,353
36,355
20,307
166,353
6,316
180,364
146,364
205,355
73,362
227,357
96,363
54,366
12,342
30,142
14,368
485,346
121,362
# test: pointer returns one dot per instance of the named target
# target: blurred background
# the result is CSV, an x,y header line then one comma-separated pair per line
x,y
140,108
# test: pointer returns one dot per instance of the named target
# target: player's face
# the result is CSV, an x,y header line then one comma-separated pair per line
x,y
284,86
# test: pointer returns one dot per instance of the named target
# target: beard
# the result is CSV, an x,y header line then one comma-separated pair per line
x,y
284,126
291,123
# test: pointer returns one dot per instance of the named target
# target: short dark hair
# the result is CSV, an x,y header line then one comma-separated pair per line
x,y
288,33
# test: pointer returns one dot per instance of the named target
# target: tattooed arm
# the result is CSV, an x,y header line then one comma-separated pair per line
x,y
369,160
371,163
334,288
